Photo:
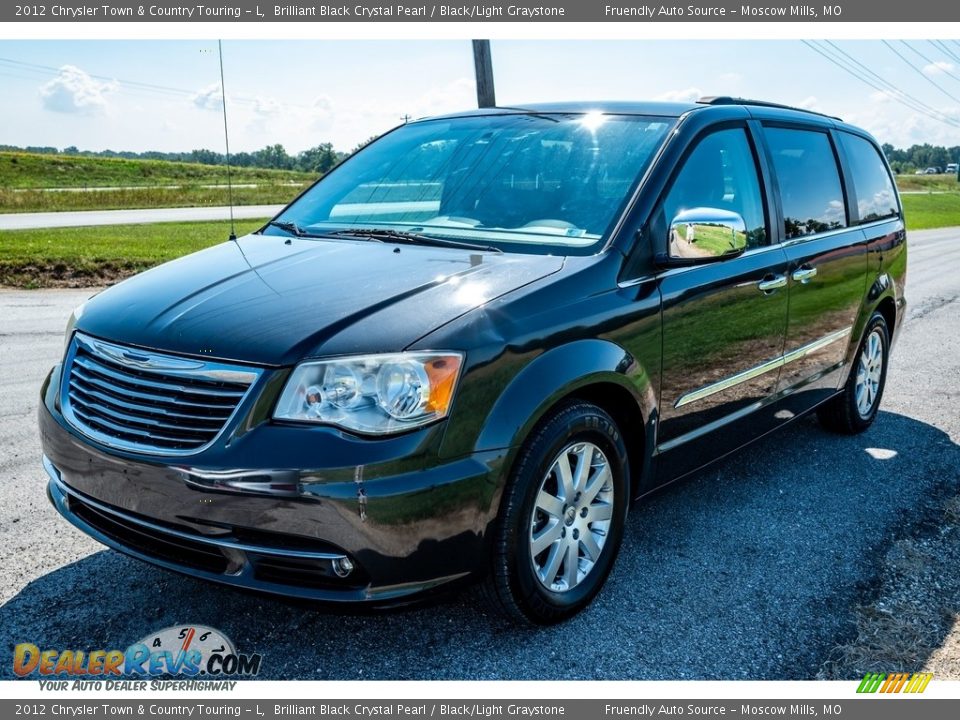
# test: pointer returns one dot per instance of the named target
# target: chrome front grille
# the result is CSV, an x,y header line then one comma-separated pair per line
x,y
149,402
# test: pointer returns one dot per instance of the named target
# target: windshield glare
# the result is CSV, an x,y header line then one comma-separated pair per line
x,y
552,182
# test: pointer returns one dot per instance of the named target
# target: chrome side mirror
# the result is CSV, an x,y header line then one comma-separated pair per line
x,y
705,234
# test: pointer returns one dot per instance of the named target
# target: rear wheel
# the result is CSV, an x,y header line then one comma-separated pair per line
x,y
562,517
854,409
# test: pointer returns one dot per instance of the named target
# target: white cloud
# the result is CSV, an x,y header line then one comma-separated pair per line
x,y
261,118
461,94
882,96
266,106
323,105
210,98
689,94
729,82
891,122
939,67
322,113
74,91
810,103
256,122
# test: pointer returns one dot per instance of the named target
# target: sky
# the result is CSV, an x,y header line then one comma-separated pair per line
x,y
165,95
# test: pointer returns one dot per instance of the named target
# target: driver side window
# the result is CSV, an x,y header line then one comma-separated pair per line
x,y
721,174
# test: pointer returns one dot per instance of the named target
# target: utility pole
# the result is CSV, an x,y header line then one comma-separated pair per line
x,y
483,67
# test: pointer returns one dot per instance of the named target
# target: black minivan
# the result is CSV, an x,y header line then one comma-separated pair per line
x,y
463,353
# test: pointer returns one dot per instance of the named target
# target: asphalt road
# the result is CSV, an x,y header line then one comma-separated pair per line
x,y
750,569
79,218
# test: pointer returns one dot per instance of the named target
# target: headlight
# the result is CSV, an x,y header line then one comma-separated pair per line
x,y
377,394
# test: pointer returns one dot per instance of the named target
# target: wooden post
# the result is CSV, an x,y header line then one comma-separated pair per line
x,y
483,67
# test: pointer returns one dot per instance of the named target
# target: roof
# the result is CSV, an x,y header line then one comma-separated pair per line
x,y
661,109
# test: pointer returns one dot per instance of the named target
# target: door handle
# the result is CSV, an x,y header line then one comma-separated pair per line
x,y
771,283
804,274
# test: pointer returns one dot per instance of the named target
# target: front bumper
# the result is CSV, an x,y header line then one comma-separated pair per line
x,y
401,525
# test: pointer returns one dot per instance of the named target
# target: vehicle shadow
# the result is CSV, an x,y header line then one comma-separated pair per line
x,y
749,569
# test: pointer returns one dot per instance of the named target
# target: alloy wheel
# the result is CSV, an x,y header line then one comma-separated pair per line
x,y
869,373
571,517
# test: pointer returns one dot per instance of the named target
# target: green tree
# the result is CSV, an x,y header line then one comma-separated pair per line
x,y
274,156
319,159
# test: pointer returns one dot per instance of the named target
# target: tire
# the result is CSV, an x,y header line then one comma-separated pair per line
x,y
530,579
855,408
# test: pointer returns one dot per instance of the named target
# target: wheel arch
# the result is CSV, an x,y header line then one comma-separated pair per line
x,y
880,297
888,308
618,402
596,371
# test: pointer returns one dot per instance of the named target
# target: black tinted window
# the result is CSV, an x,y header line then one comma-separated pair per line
x,y
810,188
721,173
876,197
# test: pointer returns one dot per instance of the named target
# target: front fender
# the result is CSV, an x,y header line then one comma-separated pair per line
x,y
555,374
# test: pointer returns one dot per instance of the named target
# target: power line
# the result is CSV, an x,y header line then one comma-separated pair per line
x,y
942,47
910,101
47,69
849,64
131,85
892,91
875,77
944,70
920,72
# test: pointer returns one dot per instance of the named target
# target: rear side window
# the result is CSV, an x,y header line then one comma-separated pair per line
x,y
876,197
810,189
721,173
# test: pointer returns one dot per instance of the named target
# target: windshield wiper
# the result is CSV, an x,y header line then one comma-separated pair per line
x,y
291,227
390,235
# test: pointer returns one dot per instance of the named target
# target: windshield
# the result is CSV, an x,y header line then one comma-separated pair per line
x,y
529,183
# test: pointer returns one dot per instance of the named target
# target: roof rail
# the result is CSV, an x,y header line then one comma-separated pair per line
x,y
727,100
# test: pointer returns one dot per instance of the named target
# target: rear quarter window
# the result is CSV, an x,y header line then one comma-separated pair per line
x,y
809,181
876,197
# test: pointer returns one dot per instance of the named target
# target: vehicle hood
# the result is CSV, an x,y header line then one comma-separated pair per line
x,y
271,300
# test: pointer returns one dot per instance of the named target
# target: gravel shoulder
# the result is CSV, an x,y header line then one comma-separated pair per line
x,y
909,619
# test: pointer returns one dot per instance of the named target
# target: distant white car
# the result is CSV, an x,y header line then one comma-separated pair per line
x,y
952,168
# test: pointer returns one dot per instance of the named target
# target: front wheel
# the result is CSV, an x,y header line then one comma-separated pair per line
x,y
854,409
562,517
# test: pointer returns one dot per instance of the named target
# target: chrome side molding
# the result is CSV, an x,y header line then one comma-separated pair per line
x,y
751,373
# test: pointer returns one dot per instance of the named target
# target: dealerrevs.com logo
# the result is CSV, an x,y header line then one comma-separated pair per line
x,y
185,651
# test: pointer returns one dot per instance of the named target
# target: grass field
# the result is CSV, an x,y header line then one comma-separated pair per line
x,y
928,183
27,170
931,211
81,257
12,201
930,201
50,183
